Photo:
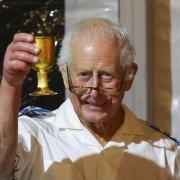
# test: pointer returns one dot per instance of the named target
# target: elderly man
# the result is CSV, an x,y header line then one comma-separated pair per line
x,y
92,136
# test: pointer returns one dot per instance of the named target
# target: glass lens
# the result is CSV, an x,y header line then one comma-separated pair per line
x,y
101,90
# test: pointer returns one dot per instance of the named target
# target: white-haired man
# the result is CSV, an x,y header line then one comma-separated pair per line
x,y
92,136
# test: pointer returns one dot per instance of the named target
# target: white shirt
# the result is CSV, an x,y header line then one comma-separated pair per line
x,y
58,146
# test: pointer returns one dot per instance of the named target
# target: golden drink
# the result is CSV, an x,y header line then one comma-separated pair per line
x,y
46,44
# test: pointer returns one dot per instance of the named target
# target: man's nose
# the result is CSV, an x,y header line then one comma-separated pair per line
x,y
95,81
95,84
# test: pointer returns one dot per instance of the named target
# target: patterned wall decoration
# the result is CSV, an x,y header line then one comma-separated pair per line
x,y
31,16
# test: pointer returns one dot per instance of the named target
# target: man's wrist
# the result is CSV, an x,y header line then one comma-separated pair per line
x,y
9,88
4,176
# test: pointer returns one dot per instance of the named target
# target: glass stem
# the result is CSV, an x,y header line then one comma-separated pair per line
x,y
42,78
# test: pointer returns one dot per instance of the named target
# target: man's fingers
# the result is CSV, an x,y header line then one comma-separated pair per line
x,y
23,37
25,57
17,65
21,50
26,47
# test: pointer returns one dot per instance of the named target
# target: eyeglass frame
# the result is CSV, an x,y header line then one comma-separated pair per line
x,y
71,86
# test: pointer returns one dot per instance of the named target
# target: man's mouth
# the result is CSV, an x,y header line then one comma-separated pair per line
x,y
94,105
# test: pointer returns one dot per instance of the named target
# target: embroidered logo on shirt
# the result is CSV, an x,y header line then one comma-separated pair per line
x,y
16,167
34,111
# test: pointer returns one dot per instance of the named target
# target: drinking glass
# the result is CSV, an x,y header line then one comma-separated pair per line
x,y
46,62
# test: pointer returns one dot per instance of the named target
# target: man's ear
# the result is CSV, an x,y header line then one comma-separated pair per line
x,y
131,70
65,80
64,76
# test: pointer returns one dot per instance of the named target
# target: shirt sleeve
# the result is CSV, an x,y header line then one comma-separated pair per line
x,y
29,158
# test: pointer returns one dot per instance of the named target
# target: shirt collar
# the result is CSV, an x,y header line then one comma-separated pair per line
x,y
66,118
130,126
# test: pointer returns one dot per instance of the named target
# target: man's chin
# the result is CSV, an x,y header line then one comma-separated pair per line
x,y
94,117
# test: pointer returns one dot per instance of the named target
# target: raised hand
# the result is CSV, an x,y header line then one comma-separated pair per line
x,y
20,55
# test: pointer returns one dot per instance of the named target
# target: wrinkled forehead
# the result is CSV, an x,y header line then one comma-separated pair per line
x,y
96,64
95,52
95,41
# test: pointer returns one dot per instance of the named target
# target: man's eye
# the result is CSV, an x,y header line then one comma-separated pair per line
x,y
84,75
106,76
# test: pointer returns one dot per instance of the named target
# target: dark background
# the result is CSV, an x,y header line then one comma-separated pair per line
x,y
27,16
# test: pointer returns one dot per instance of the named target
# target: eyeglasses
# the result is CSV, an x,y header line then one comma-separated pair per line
x,y
81,90
87,90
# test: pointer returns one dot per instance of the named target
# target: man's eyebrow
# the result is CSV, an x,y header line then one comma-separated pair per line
x,y
111,72
85,71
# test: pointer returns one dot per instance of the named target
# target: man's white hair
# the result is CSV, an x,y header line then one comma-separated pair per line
x,y
97,26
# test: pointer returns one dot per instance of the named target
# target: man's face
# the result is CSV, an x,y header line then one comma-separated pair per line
x,y
96,64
